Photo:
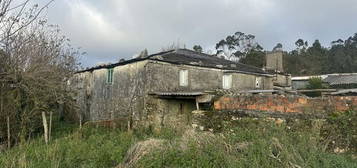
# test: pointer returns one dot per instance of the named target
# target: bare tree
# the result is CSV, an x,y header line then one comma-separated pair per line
x,y
15,17
36,61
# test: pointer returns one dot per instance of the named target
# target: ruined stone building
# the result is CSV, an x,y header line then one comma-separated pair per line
x,y
166,83
274,65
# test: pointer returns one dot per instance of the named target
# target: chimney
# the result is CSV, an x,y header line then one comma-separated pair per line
x,y
274,61
143,53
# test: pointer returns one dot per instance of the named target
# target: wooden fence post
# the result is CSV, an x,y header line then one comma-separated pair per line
x,y
45,127
8,133
50,128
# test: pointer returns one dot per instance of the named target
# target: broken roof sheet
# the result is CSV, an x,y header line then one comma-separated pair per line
x,y
341,79
189,57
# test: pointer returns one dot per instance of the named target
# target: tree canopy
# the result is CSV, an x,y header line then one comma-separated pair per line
x,y
340,57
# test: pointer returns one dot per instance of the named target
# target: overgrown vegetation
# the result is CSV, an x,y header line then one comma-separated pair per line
x,y
36,61
71,148
253,143
240,143
340,132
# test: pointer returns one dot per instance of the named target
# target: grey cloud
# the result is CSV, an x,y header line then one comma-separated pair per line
x,y
113,29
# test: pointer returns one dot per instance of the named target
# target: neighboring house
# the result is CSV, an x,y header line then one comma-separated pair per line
x,y
165,83
301,82
342,80
345,83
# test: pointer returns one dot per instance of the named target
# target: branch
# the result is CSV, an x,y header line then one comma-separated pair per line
x,y
29,22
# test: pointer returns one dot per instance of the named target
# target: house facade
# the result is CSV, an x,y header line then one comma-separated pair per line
x,y
154,86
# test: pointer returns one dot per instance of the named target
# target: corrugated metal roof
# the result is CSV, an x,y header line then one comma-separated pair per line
x,y
178,93
345,91
260,91
341,79
296,78
189,57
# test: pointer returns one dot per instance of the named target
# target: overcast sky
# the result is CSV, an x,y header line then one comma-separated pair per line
x,y
112,29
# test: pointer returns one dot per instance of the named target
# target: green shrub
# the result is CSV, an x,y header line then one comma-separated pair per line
x,y
315,83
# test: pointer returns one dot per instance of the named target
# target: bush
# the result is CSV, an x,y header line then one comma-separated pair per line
x,y
315,83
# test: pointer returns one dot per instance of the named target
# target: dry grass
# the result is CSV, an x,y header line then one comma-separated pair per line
x,y
140,149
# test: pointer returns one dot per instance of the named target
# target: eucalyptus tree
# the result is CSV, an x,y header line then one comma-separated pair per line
x,y
236,46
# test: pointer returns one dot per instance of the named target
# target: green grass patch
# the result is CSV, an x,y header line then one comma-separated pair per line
x,y
240,143
89,147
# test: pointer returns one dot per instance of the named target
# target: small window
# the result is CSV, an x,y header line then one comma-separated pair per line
x,y
258,81
110,75
183,77
227,81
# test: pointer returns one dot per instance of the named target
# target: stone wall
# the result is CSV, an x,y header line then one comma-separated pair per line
x,y
129,96
282,80
169,112
99,100
165,77
286,103
274,61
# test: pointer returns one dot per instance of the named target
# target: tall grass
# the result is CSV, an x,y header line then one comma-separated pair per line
x,y
89,147
242,143
252,143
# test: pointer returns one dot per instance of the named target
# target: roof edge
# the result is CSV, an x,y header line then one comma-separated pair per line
x,y
122,63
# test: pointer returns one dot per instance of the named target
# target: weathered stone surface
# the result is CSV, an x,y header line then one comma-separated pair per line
x,y
99,100
129,94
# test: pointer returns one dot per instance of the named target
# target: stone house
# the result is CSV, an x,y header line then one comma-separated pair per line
x,y
152,87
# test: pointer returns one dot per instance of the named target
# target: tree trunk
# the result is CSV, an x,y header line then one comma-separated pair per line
x,y
45,127
61,111
129,124
50,129
8,133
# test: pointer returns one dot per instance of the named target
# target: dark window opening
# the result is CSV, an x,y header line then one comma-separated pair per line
x,y
205,106
181,108
110,75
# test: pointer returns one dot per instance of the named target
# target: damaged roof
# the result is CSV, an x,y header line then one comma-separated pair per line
x,y
189,57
